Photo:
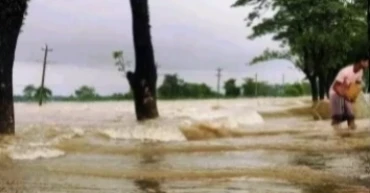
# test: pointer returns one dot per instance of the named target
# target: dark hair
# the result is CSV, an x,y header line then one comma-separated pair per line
x,y
362,55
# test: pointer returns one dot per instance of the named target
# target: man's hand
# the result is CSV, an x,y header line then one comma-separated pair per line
x,y
349,100
341,89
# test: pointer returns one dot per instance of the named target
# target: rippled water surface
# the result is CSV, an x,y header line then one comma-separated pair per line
x,y
224,146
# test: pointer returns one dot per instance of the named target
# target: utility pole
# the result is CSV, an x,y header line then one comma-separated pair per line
x,y
255,85
283,84
46,50
218,79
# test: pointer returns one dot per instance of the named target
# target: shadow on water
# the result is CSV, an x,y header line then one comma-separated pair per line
x,y
149,186
151,159
324,188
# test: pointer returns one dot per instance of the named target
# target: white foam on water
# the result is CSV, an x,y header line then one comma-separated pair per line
x,y
33,153
365,176
35,142
256,179
153,131
225,118
117,119
173,120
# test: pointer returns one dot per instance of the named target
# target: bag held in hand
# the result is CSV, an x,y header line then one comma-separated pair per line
x,y
353,91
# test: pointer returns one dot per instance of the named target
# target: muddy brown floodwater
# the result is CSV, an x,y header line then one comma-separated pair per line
x,y
211,146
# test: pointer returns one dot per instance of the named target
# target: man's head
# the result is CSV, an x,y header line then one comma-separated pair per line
x,y
362,59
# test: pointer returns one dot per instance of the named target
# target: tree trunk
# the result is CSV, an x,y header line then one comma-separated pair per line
x,y
143,80
332,73
329,80
313,84
11,18
322,86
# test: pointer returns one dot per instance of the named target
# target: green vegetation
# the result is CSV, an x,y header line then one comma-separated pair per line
x,y
120,62
317,36
175,88
31,93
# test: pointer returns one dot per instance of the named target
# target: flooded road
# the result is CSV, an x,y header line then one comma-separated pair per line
x,y
224,146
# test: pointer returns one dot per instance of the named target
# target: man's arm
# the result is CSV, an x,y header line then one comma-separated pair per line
x,y
359,79
339,88
340,85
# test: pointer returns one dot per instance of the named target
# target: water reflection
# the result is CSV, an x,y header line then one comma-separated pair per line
x,y
11,176
320,161
149,160
149,186
365,161
322,188
314,160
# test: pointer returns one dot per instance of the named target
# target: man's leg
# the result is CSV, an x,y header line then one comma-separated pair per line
x,y
337,110
351,124
335,124
350,115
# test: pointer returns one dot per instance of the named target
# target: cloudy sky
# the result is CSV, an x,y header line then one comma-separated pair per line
x,y
191,38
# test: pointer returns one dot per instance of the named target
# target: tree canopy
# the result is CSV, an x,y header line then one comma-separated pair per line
x,y
85,93
316,35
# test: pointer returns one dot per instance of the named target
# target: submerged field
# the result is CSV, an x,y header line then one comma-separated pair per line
x,y
233,146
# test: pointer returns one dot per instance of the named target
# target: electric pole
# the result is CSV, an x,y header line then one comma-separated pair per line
x,y
255,85
46,50
283,84
218,79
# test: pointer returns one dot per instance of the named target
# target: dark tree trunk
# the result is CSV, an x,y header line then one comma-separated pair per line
x,y
332,73
322,85
329,81
314,90
143,80
11,18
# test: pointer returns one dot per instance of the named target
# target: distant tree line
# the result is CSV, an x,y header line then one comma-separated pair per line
x,y
175,88
84,93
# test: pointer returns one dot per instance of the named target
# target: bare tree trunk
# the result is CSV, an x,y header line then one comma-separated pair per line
x,y
314,89
143,80
322,85
332,73
11,18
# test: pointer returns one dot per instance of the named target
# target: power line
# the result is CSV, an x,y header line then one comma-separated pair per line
x,y
46,51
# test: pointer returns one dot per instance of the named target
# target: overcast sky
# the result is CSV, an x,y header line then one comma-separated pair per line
x,y
191,38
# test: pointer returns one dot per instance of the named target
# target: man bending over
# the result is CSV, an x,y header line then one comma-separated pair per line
x,y
340,104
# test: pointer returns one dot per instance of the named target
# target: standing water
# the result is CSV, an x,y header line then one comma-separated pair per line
x,y
225,146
